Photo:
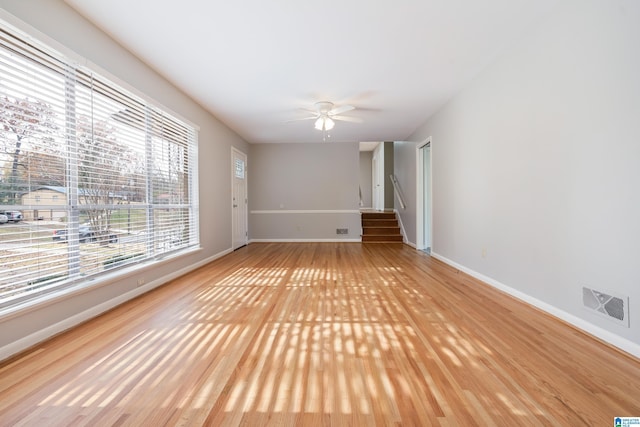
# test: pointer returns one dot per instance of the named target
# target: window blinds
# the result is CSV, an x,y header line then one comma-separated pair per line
x,y
92,177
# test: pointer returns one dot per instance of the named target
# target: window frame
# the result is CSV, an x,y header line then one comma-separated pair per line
x,y
78,282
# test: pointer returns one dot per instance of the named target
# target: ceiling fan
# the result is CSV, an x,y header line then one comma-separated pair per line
x,y
325,114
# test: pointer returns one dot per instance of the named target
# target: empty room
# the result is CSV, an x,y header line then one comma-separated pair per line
x,y
339,213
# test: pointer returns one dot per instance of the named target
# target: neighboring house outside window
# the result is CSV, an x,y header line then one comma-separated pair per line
x,y
45,196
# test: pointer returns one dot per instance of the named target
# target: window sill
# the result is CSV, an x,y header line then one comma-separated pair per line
x,y
91,284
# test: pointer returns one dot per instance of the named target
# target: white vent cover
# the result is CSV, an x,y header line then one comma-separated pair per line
x,y
613,307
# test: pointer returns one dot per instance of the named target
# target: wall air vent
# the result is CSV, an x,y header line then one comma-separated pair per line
x,y
613,307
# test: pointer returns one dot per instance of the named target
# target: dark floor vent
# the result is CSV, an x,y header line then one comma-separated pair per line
x,y
615,308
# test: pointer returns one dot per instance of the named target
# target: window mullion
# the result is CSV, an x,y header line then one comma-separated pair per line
x,y
73,248
149,177
192,179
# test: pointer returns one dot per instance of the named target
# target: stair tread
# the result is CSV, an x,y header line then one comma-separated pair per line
x,y
381,231
378,216
382,239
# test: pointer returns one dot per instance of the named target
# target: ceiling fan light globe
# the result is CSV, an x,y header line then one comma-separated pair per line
x,y
319,123
328,124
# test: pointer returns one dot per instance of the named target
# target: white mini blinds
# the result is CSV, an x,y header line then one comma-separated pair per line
x,y
92,177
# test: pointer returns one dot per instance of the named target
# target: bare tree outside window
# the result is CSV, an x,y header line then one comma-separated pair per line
x,y
106,169
27,126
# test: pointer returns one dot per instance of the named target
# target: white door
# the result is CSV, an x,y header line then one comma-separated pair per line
x,y
239,213
377,169
424,200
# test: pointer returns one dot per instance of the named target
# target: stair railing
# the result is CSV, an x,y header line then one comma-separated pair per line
x,y
397,191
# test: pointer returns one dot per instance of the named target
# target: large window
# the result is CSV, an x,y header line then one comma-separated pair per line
x,y
92,178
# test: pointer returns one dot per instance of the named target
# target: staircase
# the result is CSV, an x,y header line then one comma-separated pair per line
x,y
380,227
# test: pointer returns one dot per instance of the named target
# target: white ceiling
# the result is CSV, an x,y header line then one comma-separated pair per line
x,y
254,63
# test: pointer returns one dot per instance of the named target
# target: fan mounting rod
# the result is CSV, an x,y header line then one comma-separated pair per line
x,y
323,107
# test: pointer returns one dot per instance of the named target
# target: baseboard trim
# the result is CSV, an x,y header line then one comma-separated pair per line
x,y
608,337
68,323
305,241
309,211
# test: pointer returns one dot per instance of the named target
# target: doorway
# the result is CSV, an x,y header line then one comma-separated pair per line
x,y
377,171
239,212
424,211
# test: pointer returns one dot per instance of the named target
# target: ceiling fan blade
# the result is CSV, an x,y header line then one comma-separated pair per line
x,y
347,119
341,109
304,118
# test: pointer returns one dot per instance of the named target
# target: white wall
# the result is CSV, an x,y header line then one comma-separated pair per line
x,y
56,20
537,162
304,191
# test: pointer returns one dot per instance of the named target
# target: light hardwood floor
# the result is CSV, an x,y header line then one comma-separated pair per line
x,y
321,334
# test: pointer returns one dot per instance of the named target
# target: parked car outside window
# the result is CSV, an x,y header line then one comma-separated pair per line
x,y
13,216
3,219
86,234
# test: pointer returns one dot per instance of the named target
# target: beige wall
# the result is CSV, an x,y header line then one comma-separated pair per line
x,y
304,191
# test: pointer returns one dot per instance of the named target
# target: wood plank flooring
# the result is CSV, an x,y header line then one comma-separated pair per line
x,y
321,334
